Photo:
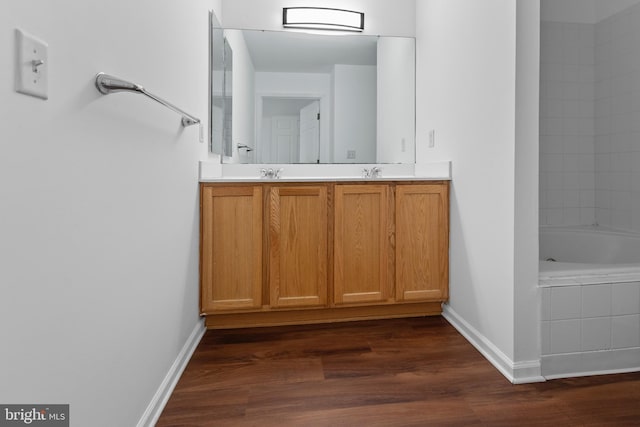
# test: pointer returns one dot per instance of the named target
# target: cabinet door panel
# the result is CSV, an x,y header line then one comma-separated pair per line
x,y
361,244
422,242
298,246
231,260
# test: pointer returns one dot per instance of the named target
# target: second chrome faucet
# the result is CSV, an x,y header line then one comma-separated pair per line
x,y
374,172
271,173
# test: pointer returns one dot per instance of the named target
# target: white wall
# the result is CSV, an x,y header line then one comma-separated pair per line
x,y
577,11
396,115
605,9
582,11
354,113
382,17
526,295
99,247
466,92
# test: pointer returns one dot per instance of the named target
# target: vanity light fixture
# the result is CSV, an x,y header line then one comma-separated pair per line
x,y
322,18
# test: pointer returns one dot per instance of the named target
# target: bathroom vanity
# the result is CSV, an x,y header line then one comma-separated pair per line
x,y
317,210
275,252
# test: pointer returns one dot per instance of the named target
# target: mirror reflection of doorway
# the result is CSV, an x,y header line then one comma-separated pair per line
x,y
290,130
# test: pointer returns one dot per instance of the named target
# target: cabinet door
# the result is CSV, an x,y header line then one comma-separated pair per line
x,y
231,248
422,242
361,244
298,246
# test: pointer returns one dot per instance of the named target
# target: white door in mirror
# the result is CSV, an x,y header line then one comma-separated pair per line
x,y
310,133
32,65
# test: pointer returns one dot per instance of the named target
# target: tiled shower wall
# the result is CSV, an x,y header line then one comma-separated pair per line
x,y
617,120
567,125
590,122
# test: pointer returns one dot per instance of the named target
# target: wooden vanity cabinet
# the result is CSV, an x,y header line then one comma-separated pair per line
x,y
422,242
294,253
231,248
362,244
297,246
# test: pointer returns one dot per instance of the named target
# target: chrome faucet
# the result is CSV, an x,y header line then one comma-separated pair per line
x,y
271,173
374,172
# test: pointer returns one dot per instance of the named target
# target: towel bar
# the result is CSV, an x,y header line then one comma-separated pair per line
x,y
107,84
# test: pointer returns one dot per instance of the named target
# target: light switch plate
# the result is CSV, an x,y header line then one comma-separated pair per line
x,y
32,65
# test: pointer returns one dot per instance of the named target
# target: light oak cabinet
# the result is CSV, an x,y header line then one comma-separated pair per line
x,y
293,253
361,243
422,242
298,255
231,248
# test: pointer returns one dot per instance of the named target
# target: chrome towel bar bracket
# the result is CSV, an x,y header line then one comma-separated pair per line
x,y
107,84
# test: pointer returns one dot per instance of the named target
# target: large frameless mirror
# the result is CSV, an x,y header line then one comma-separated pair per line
x,y
293,97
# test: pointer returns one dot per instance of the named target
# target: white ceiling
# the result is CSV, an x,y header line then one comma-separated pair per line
x,y
288,51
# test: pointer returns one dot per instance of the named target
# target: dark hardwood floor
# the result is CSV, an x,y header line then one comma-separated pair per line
x,y
405,372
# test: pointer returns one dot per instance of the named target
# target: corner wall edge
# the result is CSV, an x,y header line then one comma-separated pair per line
x,y
161,397
524,372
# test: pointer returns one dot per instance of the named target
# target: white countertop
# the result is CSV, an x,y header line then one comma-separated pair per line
x,y
216,172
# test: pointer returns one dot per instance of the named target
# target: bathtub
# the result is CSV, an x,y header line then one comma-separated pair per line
x,y
589,281
581,255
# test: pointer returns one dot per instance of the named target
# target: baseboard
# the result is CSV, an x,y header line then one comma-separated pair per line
x,y
516,372
592,373
588,363
160,398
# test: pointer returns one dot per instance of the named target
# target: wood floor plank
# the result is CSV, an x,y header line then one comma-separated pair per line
x,y
197,407
401,372
278,371
446,412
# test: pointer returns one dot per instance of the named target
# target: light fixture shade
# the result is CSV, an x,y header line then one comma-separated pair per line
x,y
322,18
